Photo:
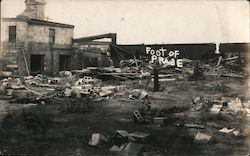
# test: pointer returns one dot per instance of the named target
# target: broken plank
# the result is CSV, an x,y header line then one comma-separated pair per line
x,y
232,75
119,74
194,126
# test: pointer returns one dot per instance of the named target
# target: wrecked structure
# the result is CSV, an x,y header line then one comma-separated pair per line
x,y
92,53
203,51
241,50
32,45
190,51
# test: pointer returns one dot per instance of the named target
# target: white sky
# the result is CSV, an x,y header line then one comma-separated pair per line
x,y
149,22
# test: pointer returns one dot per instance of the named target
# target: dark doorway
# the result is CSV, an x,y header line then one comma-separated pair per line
x,y
64,61
36,64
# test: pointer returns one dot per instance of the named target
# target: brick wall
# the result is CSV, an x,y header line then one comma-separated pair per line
x,y
40,33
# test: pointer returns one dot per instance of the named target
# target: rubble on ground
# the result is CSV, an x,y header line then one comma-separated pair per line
x,y
206,120
91,80
70,86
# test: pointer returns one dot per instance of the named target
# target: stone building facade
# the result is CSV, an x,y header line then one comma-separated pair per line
x,y
32,45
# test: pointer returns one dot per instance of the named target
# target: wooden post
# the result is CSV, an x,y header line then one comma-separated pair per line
x,y
156,79
26,64
136,63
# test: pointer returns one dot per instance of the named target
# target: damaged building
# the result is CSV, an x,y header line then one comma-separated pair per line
x,y
235,49
190,51
91,52
32,45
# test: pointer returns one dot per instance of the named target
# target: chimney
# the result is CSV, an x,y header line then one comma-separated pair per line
x,y
34,10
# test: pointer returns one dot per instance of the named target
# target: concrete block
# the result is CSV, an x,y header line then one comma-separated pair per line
x,y
79,82
202,138
96,139
67,92
215,110
138,116
55,80
88,80
133,149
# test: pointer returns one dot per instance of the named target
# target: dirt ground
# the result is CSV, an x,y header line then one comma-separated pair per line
x,y
49,129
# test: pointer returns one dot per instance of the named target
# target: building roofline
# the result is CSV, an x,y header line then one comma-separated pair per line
x,y
13,19
49,23
237,43
165,44
93,43
39,22
112,36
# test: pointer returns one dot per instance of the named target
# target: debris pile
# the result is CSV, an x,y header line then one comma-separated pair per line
x,y
77,85
91,80
203,115
228,67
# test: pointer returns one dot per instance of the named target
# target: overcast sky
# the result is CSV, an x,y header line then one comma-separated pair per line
x,y
149,22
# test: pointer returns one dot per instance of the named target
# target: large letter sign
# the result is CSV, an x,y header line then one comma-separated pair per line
x,y
164,57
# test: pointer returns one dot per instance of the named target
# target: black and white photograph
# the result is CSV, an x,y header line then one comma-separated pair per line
x,y
125,78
